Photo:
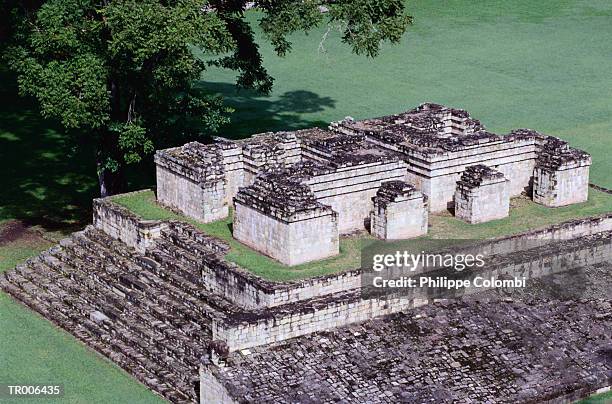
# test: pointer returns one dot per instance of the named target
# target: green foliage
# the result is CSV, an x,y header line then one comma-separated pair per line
x,y
123,70
370,22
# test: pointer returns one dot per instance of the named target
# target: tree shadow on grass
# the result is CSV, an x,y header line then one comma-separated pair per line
x,y
48,175
47,179
255,113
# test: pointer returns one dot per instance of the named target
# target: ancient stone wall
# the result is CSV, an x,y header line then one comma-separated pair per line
x,y
335,313
233,168
203,200
561,175
307,236
562,231
342,309
121,224
349,191
248,290
561,187
211,390
438,176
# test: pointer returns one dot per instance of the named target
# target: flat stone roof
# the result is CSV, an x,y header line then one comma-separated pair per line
x,y
479,174
282,192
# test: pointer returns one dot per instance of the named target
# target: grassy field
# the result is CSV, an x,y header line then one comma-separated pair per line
x,y
524,215
513,64
540,64
603,398
34,351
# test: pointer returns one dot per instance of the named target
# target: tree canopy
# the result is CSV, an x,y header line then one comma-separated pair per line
x,y
123,71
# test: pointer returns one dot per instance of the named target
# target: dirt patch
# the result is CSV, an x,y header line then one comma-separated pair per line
x,y
16,230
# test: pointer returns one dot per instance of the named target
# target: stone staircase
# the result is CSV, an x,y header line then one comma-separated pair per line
x,y
152,314
148,313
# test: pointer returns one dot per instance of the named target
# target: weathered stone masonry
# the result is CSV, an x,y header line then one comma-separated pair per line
x,y
154,309
282,219
160,300
400,212
429,147
277,311
482,195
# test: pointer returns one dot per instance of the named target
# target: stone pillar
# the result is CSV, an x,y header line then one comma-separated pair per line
x,y
400,212
282,219
561,175
192,180
482,195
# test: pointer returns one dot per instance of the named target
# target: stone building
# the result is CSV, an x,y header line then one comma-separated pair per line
x,y
482,195
400,212
315,184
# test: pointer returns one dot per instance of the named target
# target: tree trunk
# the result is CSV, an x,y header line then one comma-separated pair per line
x,y
111,182
111,177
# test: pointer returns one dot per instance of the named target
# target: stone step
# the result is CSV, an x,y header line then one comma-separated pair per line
x,y
22,284
149,313
151,272
177,276
144,310
187,237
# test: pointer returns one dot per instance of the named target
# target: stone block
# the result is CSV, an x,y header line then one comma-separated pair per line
x,y
482,195
281,219
400,212
561,175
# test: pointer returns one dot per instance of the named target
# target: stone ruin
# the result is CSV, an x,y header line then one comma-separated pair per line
x,y
482,195
318,184
400,212
160,299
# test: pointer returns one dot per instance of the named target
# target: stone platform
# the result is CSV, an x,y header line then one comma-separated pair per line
x,y
534,351
158,306
338,172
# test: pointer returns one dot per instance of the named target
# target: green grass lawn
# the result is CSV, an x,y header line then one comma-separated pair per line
x,y
513,64
524,215
603,398
12,254
34,351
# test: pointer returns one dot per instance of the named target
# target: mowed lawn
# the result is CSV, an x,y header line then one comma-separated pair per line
x,y
523,63
524,215
511,63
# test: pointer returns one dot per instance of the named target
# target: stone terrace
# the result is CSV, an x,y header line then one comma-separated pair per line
x,y
147,313
463,351
151,312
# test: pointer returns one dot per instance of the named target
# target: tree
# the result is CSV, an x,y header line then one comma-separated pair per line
x,y
122,71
